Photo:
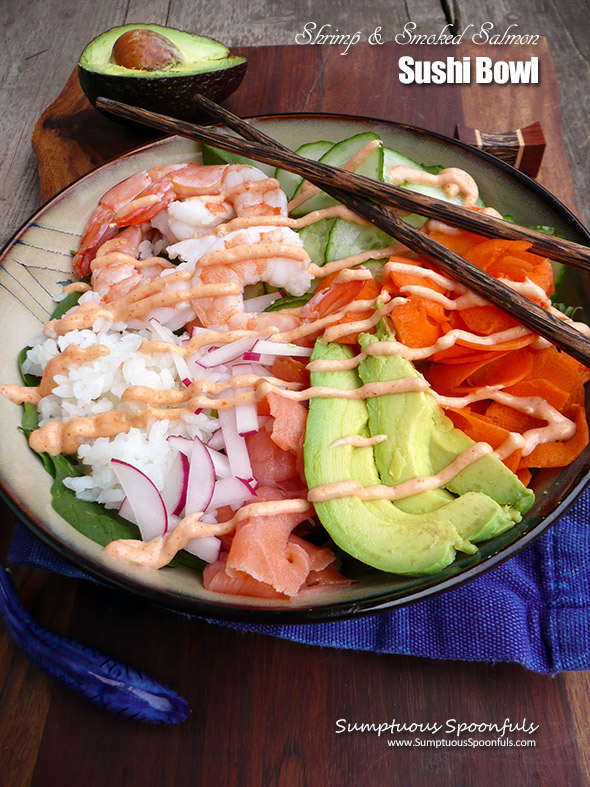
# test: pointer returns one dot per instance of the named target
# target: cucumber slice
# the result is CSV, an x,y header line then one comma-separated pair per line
x,y
337,156
289,302
315,238
392,158
347,238
288,181
216,156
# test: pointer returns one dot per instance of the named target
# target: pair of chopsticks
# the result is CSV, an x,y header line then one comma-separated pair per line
x,y
359,192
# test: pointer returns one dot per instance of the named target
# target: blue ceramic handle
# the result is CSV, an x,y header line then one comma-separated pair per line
x,y
87,672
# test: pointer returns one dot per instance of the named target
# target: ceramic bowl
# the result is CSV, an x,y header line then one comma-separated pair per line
x,y
38,261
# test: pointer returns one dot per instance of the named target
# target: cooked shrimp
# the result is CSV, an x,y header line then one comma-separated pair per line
x,y
187,204
102,225
116,269
225,191
274,255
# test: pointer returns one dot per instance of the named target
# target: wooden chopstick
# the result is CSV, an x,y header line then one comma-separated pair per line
x,y
534,317
559,249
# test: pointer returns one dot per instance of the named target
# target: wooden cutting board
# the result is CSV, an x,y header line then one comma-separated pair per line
x,y
72,138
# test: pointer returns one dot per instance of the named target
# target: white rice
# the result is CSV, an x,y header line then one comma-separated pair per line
x,y
97,386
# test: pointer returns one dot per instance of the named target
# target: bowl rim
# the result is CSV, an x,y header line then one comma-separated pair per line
x,y
242,612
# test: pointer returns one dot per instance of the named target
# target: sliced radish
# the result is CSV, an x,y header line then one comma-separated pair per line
x,y
266,360
210,517
182,368
201,479
126,511
216,440
246,414
261,370
229,352
146,502
231,492
173,318
251,483
207,548
175,486
264,346
235,445
182,444
198,372
260,303
220,463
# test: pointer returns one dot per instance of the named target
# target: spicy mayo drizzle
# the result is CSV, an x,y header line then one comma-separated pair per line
x,y
158,552
452,180
413,486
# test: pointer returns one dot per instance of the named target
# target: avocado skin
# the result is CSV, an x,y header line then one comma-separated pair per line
x,y
426,441
168,93
378,532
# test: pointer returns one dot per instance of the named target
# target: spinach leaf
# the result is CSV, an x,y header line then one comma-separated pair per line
x,y
65,305
29,380
98,523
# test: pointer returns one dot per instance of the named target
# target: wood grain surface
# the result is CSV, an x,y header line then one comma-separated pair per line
x,y
264,711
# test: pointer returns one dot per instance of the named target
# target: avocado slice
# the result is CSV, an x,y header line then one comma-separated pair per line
x,y
379,532
172,66
426,442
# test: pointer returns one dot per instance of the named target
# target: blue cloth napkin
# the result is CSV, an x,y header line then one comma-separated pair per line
x,y
534,609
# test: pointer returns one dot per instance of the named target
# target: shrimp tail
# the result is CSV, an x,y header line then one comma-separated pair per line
x,y
100,228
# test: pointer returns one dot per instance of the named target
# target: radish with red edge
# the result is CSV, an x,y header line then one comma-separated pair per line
x,y
176,484
182,444
265,347
229,352
146,502
201,479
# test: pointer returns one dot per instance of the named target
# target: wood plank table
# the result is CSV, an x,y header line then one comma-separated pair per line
x,y
264,711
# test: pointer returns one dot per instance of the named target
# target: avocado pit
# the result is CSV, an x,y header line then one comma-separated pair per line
x,y
145,50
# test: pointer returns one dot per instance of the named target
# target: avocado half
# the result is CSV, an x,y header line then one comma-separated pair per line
x,y
205,66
